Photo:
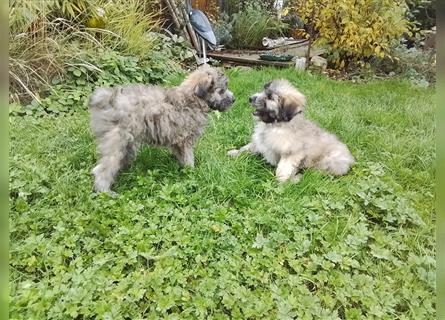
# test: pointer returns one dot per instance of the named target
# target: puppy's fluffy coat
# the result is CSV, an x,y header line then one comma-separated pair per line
x,y
288,140
124,117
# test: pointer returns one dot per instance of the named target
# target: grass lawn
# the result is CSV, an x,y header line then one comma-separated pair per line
x,y
225,240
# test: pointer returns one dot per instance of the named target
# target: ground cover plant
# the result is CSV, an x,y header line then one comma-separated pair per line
x,y
225,240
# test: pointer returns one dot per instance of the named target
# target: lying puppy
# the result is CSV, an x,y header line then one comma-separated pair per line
x,y
125,117
288,140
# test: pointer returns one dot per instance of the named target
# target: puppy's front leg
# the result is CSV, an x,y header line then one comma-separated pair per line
x,y
184,154
248,147
287,168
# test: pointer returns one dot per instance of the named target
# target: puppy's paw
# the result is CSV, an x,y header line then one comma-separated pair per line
x,y
282,179
113,194
109,193
286,178
296,178
233,153
187,166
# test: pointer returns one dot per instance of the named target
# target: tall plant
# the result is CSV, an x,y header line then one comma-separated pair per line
x,y
40,47
253,23
422,13
128,24
47,36
354,30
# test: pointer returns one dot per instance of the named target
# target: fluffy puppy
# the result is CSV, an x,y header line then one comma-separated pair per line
x,y
125,117
289,141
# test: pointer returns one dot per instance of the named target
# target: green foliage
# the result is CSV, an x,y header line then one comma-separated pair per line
x,y
72,10
39,49
419,66
354,30
127,26
224,239
252,23
23,14
105,68
171,50
223,29
422,13
48,36
233,6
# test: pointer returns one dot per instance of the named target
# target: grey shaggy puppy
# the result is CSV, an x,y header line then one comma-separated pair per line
x,y
125,117
289,141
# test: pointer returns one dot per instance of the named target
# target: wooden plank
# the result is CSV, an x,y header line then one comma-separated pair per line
x,y
249,60
252,57
287,44
176,20
299,50
188,26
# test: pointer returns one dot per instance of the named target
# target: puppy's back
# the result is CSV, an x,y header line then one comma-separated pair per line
x,y
103,117
100,98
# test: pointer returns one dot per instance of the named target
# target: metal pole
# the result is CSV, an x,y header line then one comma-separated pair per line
x,y
204,51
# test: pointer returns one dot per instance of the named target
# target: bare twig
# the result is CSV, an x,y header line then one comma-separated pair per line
x,y
17,78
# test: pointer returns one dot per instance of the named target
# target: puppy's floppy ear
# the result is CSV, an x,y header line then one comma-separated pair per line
x,y
290,107
224,79
267,90
204,86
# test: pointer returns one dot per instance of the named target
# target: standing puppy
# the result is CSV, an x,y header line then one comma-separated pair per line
x,y
289,141
125,117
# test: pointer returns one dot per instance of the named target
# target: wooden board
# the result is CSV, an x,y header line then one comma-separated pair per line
x,y
250,57
289,44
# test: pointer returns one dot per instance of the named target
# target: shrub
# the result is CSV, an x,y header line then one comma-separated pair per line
x,y
422,13
223,29
40,48
47,36
102,68
127,26
253,23
72,10
233,6
170,50
419,66
354,31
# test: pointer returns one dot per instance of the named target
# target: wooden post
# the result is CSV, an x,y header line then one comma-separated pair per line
x,y
173,15
176,20
189,27
311,36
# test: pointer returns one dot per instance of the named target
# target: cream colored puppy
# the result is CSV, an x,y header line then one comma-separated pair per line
x,y
289,141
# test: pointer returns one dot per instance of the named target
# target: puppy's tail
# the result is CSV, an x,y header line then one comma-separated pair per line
x,y
338,162
101,98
